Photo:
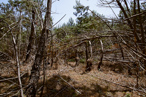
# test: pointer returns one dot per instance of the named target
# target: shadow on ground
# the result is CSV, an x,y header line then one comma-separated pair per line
x,y
57,87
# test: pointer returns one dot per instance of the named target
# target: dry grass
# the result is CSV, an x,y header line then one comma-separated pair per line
x,y
66,81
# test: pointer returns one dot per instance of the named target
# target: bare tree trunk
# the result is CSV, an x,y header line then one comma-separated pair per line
x,y
44,75
127,7
90,49
30,47
18,64
35,72
86,51
87,58
100,63
141,26
17,54
142,33
134,19
51,50
77,59
128,20
19,36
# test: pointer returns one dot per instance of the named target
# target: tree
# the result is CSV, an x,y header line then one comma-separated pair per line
x,y
87,20
71,22
35,72
31,45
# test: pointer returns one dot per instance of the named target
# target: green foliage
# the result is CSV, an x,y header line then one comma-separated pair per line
x,y
10,16
82,60
71,22
81,12
128,95
71,60
86,19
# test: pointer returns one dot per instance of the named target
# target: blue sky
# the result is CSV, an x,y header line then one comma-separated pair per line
x,y
62,7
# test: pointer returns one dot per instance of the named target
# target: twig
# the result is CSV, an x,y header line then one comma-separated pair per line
x,y
18,62
8,79
135,15
59,21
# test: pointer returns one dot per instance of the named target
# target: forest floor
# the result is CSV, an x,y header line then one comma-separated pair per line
x,y
70,81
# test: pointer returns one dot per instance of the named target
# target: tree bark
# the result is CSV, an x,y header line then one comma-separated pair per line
x,y
51,49
141,27
86,51
88,61
30,47
101,58
127,7
35,72
77,59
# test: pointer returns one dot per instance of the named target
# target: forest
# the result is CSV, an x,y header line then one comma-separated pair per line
x,y
94,56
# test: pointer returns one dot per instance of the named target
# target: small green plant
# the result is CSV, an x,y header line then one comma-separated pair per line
x,y
71,60
82,60
128,95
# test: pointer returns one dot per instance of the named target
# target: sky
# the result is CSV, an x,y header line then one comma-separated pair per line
x,y
62,7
